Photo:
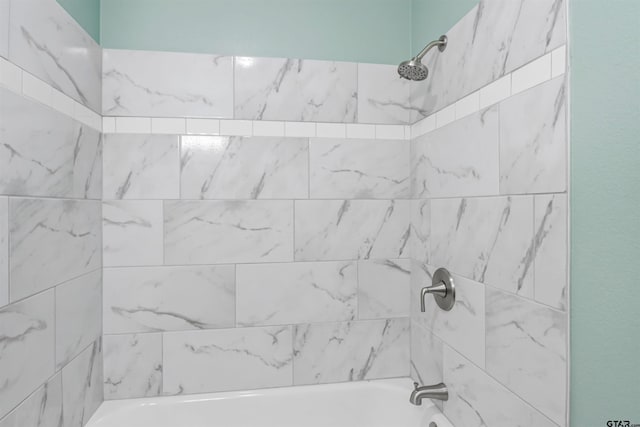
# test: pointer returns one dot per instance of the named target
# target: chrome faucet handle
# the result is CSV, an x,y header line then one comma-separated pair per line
x,y
443,290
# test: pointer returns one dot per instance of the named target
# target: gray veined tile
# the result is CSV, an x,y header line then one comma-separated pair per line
x,y
167,84
42,409
351,351
295,90
52,241
533,140
489,240
551,263
141,167
46,41
477,400
27,337
351,229
383,288
383,97
4,251
526,351
82,386
46,153
426,356
227,359
132,233
219,232
78,315
244,168
301,292
462,328
420,238
143,299
459,159
493,39
4,28
132,366
358,169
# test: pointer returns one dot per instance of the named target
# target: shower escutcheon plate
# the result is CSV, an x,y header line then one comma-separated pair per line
x,y
443,290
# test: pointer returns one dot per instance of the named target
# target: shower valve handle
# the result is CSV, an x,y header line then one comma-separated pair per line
x,y
443,290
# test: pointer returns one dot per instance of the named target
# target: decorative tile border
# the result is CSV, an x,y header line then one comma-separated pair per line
x,y
536,72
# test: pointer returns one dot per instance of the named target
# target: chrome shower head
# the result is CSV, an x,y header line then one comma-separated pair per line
x,y
414,69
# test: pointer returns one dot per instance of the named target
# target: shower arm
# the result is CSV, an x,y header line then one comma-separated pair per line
x,y
441,43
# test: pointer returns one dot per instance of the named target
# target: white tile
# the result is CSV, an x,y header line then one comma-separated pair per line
x,y
383,97
203,126
87,116
108,124
133,125
236,127
424,126
426,356
558,61
10,76
389,132
446,116
360,131
532,74
82,386
300,129
268,128
4,251
62,103
496,91
42,409
383,288
330,130
169,126
35,88
468,105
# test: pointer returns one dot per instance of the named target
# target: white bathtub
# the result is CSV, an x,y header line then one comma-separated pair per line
x,y
380,403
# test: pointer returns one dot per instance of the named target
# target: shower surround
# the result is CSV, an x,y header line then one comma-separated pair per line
x,y
263,222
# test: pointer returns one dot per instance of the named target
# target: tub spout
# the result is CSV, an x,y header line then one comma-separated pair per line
x,y
438,392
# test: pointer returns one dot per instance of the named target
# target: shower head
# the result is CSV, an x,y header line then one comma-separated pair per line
x,y
414,69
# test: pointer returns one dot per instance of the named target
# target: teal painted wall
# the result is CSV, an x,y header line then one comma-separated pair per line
x,y
605,211
432,18
87,13
347,30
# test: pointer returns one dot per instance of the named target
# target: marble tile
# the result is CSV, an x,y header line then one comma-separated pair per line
x,y
420,238
358,169
533,140
426,356
227,359
143,299
383,288
166,84
52,241
4,251
82,386
302,292
351,229
295,90
4,28
141,167
462,328
460,159
45,153
217,167
27,338
132,233
527,351
46,41
42,409
489,240
493,39
477,400
351,351
132,366
78,315
383,97
551,263
217,232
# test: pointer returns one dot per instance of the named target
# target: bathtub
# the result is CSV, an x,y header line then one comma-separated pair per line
x,y
378,403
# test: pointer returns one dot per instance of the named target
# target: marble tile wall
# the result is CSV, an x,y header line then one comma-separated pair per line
x,y
489,189
50,218
235,262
